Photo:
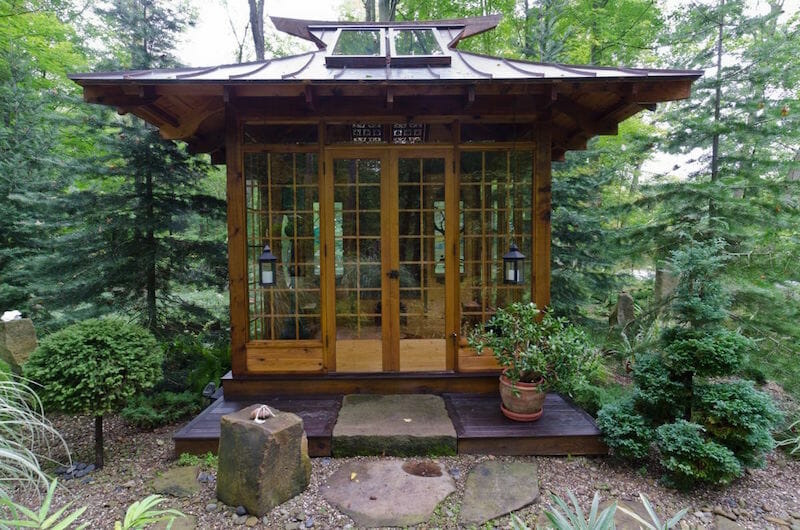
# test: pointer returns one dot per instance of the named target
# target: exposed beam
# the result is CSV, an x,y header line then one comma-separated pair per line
x,y
309,95
583,117
469,96
158,115
188,125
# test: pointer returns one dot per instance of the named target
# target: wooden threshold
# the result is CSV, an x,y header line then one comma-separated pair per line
x,y
564,429
250,387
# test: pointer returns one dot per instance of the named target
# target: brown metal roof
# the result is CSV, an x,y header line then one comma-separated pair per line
x,y
579,101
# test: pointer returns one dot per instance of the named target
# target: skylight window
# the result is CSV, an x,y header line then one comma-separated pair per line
x,y
371,47
358,42
420,41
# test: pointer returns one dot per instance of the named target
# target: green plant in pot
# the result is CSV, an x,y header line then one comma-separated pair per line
x,y
538,352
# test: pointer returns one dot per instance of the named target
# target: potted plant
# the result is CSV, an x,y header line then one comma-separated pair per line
x,y
538,352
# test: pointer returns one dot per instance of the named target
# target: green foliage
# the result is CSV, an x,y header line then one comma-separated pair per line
x,y
789,438
148,411
573,518
655,522
732,421
737,416
625,431
95,366
208,460
657,394
690,458
141,514
190,363
530,344
26,437
22,517
704,351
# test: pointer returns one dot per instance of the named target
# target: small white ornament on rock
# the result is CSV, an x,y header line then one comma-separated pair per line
x,y
8,316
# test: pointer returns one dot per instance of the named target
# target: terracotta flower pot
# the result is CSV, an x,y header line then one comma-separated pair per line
x,y
521,401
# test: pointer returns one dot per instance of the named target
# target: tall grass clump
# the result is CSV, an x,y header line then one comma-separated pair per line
x,y
27,438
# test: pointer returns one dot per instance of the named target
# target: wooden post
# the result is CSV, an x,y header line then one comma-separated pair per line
x,y
237,241
540,273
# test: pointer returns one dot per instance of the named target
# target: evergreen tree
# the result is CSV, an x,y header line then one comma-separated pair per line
x,y
131,239
35,50
706,429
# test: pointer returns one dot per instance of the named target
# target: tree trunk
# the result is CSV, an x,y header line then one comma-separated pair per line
x,y
386,10
369,10
717,103
152,314
98,441
257,25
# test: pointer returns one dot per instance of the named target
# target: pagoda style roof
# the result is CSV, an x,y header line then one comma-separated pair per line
x,y
579,101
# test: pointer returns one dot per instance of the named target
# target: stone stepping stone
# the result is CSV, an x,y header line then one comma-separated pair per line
x,y
394,425
180,523
386,493
178,482
495,488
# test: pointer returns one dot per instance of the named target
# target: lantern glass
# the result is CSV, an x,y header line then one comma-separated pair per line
x,y
266,267
513,266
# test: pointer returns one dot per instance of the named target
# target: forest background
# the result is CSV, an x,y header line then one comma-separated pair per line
x,y
99,216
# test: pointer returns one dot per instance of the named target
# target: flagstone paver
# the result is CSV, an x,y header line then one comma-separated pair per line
x,y
381,493
495,488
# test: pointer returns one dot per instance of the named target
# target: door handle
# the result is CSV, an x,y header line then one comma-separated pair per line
x,y
393,274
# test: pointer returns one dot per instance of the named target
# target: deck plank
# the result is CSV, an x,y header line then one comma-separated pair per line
x,y
318,414
564,428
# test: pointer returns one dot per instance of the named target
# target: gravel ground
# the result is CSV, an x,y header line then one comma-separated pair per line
x,y
134,457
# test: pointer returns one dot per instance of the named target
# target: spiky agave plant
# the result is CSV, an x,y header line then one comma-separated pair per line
x,y
27,438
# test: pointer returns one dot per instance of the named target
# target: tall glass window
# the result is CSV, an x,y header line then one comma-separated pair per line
x,y
496,198
283,211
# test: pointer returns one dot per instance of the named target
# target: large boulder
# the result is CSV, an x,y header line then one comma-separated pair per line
x,y
17,342
261,465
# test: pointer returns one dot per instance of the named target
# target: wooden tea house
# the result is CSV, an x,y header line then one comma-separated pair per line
x,y
374,186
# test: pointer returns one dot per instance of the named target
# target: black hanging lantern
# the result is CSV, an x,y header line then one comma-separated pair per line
x,y
513,266
266,267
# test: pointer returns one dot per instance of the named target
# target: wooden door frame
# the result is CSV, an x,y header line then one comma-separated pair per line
x,y
390,294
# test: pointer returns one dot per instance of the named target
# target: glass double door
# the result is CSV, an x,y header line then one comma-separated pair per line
x,y
386,259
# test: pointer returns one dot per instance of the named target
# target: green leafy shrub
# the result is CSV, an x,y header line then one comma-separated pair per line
x,y
739,417
148,411
530,344
208,460
704,351
690,458
95,367
626,432
656,393
190,363
680,382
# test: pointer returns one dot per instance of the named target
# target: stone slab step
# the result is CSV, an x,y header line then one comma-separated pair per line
x,y
393,425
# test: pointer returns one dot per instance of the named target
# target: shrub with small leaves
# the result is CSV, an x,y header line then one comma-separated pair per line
x,y
626,432
731,422
148,411
95,367
690,458
739,417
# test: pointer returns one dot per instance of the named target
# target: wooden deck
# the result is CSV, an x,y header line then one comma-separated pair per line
x,y
564,429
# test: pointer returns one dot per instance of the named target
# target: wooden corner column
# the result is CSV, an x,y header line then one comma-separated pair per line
x,y
542,183
237,240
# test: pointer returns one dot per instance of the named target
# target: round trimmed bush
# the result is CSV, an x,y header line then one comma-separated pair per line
x,y
94,367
